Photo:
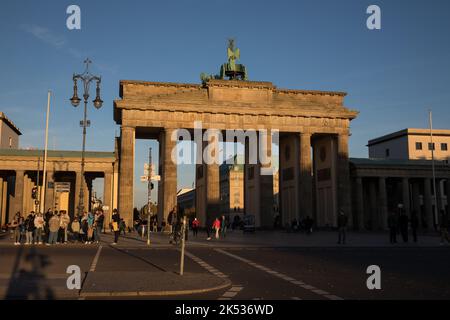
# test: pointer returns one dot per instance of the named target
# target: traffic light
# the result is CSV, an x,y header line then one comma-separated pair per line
x,y
151,185
34,192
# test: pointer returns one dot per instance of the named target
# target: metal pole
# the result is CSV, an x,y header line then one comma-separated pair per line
x,y
81,196
44,175
436,219
183,230
38,199
149,190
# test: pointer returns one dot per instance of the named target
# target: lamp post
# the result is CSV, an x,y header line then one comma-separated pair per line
x,y
86,78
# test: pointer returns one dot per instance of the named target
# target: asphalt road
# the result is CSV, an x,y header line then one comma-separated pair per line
x,y
255,272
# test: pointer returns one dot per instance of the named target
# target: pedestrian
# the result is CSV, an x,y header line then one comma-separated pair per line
x,y
76,229
308,225
64,225
392,225
54,226
342,226
98,224
216,226
115,225
39,223
224,226
48,215
414,225
29,226
155,225
195,226
90,231
403,225
84,228
15,225
123,227
444,227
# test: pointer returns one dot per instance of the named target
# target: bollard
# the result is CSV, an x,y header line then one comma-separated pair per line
x,y
183,230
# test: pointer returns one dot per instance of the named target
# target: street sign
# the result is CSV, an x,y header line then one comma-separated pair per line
x,y
144,178
156,178
62,186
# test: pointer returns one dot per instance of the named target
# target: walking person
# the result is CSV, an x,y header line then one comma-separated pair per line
x,y
224,226
208,229
123,227
98,223
195,226
90,231
444,227
15,225
403,225
115,225
84,228
76,228
39,223
155,225
54,226
414,225
342,226
216,226
393,225
64,224
29,228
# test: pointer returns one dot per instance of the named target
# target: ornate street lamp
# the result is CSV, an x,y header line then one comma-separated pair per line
x,y
86,78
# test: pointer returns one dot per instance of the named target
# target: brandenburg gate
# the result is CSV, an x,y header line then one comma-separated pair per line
x,y
313,144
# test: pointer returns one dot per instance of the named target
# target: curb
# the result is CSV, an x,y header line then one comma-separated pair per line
x,y
226,284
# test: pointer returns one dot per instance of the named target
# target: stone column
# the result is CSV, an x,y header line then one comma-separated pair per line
x,y
416,201
78,181
448,194
2,217
4,200
405,196
167,187
427,199
212,179
49,194
126,174
107,197
383,204
16,202
343,177
373,205
26,194
305,179
360,203
439,195
265,180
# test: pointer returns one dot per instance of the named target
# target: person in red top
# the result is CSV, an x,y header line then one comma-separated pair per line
x,y
216,226
195,226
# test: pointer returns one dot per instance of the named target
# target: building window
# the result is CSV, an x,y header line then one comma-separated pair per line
x,y
387,153
418,145
444,147
10,142
431,146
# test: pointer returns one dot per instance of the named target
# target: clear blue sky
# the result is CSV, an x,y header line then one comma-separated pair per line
x,y
392,76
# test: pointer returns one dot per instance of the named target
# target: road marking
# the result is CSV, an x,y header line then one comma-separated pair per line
x,y
206,266
94,262
301,284
231,293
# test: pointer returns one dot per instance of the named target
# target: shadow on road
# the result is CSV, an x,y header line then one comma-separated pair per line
x,y
29,283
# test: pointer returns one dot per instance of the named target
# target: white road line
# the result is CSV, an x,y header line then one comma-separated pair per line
x,y
301,284
94,262
231,293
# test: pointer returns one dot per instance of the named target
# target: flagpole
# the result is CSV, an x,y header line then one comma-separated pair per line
x,y
44,176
